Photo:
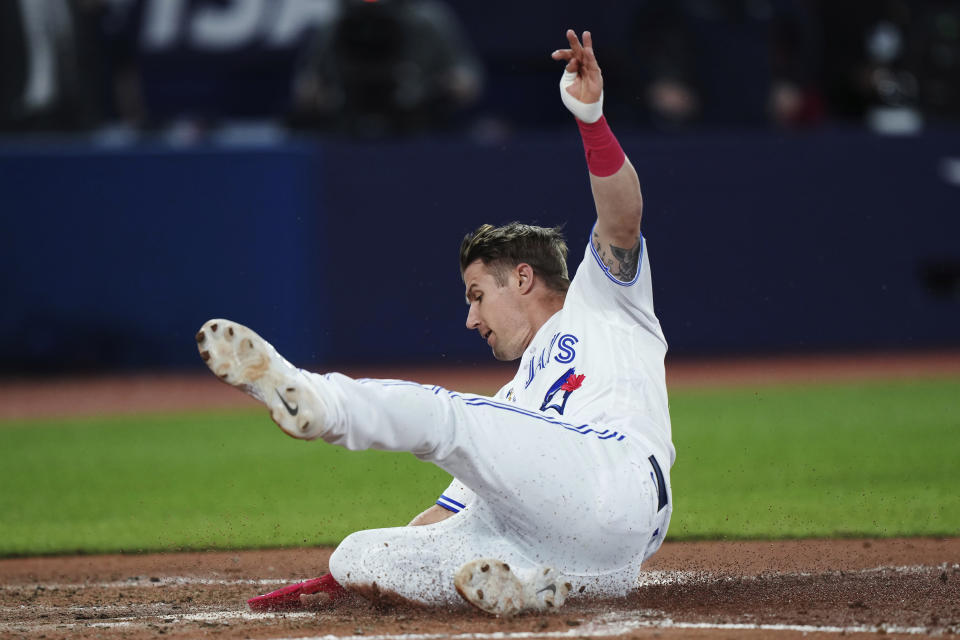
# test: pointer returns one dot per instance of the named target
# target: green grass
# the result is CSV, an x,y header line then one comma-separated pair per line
x,y
880,459
866,459
193,481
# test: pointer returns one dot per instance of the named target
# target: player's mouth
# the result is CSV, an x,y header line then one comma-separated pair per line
x,y
487,336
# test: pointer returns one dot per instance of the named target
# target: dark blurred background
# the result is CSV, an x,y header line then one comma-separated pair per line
x,y
308,167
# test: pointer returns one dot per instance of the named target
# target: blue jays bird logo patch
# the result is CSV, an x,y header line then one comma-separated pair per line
x,y
567,383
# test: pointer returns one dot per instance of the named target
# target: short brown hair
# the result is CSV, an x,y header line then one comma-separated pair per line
x,y
502,248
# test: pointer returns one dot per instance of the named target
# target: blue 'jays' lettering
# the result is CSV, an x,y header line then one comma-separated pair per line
x,y
567,353
553,341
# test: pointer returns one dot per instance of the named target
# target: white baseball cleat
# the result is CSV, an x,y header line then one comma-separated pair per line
x,y
491,586
238,356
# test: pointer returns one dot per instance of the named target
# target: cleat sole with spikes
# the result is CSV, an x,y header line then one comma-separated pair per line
x,y
241,358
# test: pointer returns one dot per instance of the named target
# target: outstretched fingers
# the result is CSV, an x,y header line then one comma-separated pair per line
x,y
589,58
580,57
574,55
574,42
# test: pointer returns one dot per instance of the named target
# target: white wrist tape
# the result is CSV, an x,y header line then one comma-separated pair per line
x,y
588,113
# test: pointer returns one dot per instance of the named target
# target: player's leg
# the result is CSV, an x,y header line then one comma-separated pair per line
x,y
469,554
419,565
567,498
554,484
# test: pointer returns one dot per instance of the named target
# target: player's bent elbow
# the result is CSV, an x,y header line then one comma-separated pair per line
x,y
432,515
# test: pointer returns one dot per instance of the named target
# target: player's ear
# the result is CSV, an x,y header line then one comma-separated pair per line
x,y
524,274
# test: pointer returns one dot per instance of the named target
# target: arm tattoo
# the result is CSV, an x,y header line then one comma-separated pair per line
x,y
622,263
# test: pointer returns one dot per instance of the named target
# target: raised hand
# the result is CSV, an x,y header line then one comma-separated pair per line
x,y
587,86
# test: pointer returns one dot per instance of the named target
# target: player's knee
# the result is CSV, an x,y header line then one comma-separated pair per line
x,y
349,562
344,561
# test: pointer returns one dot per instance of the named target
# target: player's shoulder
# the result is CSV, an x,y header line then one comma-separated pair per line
x,y
602,299
592,283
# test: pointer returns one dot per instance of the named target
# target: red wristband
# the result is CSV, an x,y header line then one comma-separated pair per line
x,y
604,155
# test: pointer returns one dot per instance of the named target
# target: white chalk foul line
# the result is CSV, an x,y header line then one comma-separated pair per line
x,y
661,578
647,578
120,617
211,616
144,582
611,625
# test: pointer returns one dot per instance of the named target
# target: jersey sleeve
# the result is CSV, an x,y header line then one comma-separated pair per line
x,y
456,497
594,288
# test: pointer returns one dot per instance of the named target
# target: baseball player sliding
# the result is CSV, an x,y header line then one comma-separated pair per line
x,y
562,478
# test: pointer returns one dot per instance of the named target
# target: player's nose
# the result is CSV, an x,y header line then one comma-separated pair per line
x,y
473,319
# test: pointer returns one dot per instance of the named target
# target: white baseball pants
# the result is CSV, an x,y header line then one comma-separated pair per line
x,y
548,492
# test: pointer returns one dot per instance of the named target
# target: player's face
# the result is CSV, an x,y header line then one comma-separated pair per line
x,y
496,312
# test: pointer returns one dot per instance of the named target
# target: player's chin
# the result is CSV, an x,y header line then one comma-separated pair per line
x,y
504,355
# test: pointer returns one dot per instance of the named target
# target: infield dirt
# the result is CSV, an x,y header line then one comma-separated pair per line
x,y
814,588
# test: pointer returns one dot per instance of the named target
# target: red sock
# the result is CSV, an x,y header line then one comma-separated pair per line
x,y
289,596
604,154
330,586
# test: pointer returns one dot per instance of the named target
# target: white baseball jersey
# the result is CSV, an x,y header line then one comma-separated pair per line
x,y
598,362
566,465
